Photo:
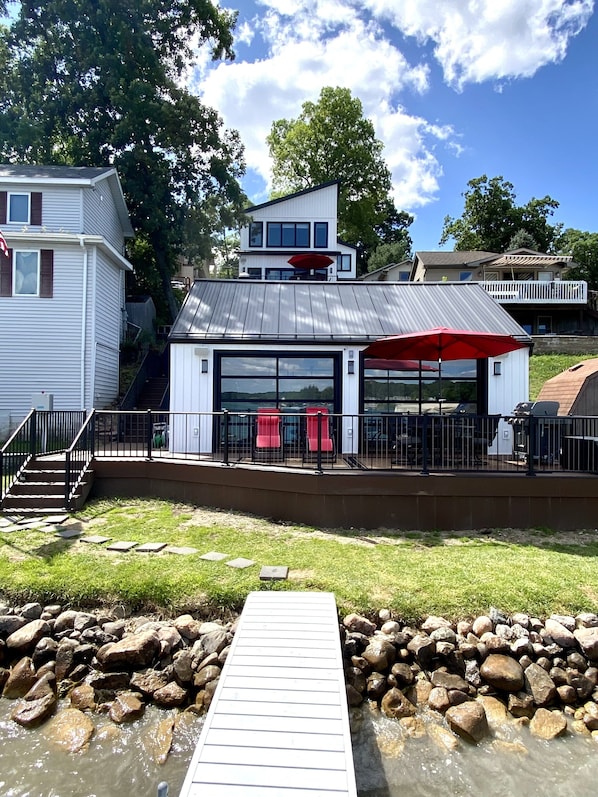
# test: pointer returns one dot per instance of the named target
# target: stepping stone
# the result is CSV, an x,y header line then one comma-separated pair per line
x,y
95,539
4,521
214,556
32,524
181,550
274,573
56,519
240,563
150,547
121,545
8,529
67,534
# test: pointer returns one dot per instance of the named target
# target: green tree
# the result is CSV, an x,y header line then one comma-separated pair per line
x,y
386,254
491,218
583,247
95,83
331,140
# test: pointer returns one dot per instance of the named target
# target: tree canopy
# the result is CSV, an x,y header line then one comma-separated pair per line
x,y
583,246
492,220
331,140
96,83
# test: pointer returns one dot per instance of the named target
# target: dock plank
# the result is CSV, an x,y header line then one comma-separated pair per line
x,y
278,723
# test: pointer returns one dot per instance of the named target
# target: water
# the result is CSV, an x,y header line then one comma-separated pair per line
x,y
389,762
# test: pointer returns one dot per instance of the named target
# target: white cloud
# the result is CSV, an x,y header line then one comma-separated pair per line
x,y
479,40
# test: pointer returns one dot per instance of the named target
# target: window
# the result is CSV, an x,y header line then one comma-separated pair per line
x,y
256,233
288,233
403,276
343,263
18,208
465,276
26,273
321,234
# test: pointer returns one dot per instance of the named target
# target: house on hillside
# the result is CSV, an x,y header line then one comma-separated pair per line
x,y
62,287
295,238
244,345
393,272
533,287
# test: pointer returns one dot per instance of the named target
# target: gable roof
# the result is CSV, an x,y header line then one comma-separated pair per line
x,y
227,311
454,259
292,196
83,176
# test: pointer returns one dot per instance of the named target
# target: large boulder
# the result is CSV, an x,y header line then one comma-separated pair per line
x,y
547,724
394,704
380,654
468,720
587,639
539,685
134,652
20,680
502,672
23,640
70,730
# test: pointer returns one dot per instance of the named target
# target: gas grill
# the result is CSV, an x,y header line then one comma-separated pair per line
x,y
544,429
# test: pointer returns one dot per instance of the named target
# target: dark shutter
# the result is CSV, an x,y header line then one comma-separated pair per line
x,y
46,274
6,274
36,209
3,201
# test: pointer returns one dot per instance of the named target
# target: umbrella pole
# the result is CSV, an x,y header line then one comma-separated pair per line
x,y
440,385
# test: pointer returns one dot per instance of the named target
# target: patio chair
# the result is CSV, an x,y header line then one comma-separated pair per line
x,y
484,432
319,438
268,439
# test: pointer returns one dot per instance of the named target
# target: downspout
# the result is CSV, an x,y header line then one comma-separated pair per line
x,y
83,320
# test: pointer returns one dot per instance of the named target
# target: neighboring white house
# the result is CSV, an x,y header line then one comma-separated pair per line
x,y
62,287
300,226
240,345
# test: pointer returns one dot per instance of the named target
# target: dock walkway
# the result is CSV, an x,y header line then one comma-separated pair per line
x,y
278,723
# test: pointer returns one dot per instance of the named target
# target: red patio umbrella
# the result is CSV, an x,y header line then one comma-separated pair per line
x,y
443,343
397,365
310,260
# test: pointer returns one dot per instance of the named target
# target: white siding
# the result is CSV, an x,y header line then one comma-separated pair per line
x,y
61,207
41,341
506,391
100,215
106,324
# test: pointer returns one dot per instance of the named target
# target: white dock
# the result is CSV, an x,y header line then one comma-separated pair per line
x,y
278,723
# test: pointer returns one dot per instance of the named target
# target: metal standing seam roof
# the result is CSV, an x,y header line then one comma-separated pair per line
x,y
228,311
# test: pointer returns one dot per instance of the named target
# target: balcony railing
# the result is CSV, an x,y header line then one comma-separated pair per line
x,y
391,442
537,292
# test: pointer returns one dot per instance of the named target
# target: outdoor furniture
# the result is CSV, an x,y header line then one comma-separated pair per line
x,y
319,440
268,439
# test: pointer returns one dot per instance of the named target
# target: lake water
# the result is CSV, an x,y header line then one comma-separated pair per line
x,y
388,762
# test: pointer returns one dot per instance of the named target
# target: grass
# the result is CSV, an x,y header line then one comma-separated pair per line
x,y
414,575
545,366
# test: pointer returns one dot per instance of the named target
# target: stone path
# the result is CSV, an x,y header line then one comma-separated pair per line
x,y
62,526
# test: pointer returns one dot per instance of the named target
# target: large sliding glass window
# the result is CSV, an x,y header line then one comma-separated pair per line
x,y
413,387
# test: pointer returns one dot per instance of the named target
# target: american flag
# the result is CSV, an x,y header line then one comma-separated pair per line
x,y
3,245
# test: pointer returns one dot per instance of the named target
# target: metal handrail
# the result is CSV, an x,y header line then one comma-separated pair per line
x,y
16,452
78,458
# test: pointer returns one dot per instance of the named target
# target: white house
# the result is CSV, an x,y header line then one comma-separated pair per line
x,y
242,345
62,287
295,238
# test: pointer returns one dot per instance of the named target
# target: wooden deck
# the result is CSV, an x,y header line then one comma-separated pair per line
x,y
278,723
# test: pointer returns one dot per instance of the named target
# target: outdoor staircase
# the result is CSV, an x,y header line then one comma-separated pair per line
x,y
152,393
40,488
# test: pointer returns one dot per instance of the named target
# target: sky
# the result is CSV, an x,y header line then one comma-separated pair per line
x,y
455,89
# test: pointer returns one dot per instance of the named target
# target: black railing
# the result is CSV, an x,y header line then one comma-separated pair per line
x,y
41,433
422,443
78,458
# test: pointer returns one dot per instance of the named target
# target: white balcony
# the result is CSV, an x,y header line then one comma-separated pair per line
x,y
537,291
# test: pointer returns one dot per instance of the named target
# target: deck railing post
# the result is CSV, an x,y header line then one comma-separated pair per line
x,y
319,451
532,444
225,422
425,424
149,434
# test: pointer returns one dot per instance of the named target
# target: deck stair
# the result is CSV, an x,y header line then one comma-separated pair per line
x,y
278,723
41,488
152,393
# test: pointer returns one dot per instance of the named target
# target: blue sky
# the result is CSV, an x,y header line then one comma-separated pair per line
x,y
455,89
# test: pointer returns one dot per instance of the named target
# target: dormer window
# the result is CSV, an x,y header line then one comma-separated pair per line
x,y
19,208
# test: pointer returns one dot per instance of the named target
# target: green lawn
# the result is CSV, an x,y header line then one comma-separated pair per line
x,y
413,574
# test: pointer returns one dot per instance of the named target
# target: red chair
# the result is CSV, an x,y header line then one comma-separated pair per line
x,y
319,437
268,440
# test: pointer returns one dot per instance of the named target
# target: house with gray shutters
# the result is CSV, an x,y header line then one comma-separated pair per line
x,y
62,287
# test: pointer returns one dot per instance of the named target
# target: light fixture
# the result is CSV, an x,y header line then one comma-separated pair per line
x,y
497,369
204,366
351,366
